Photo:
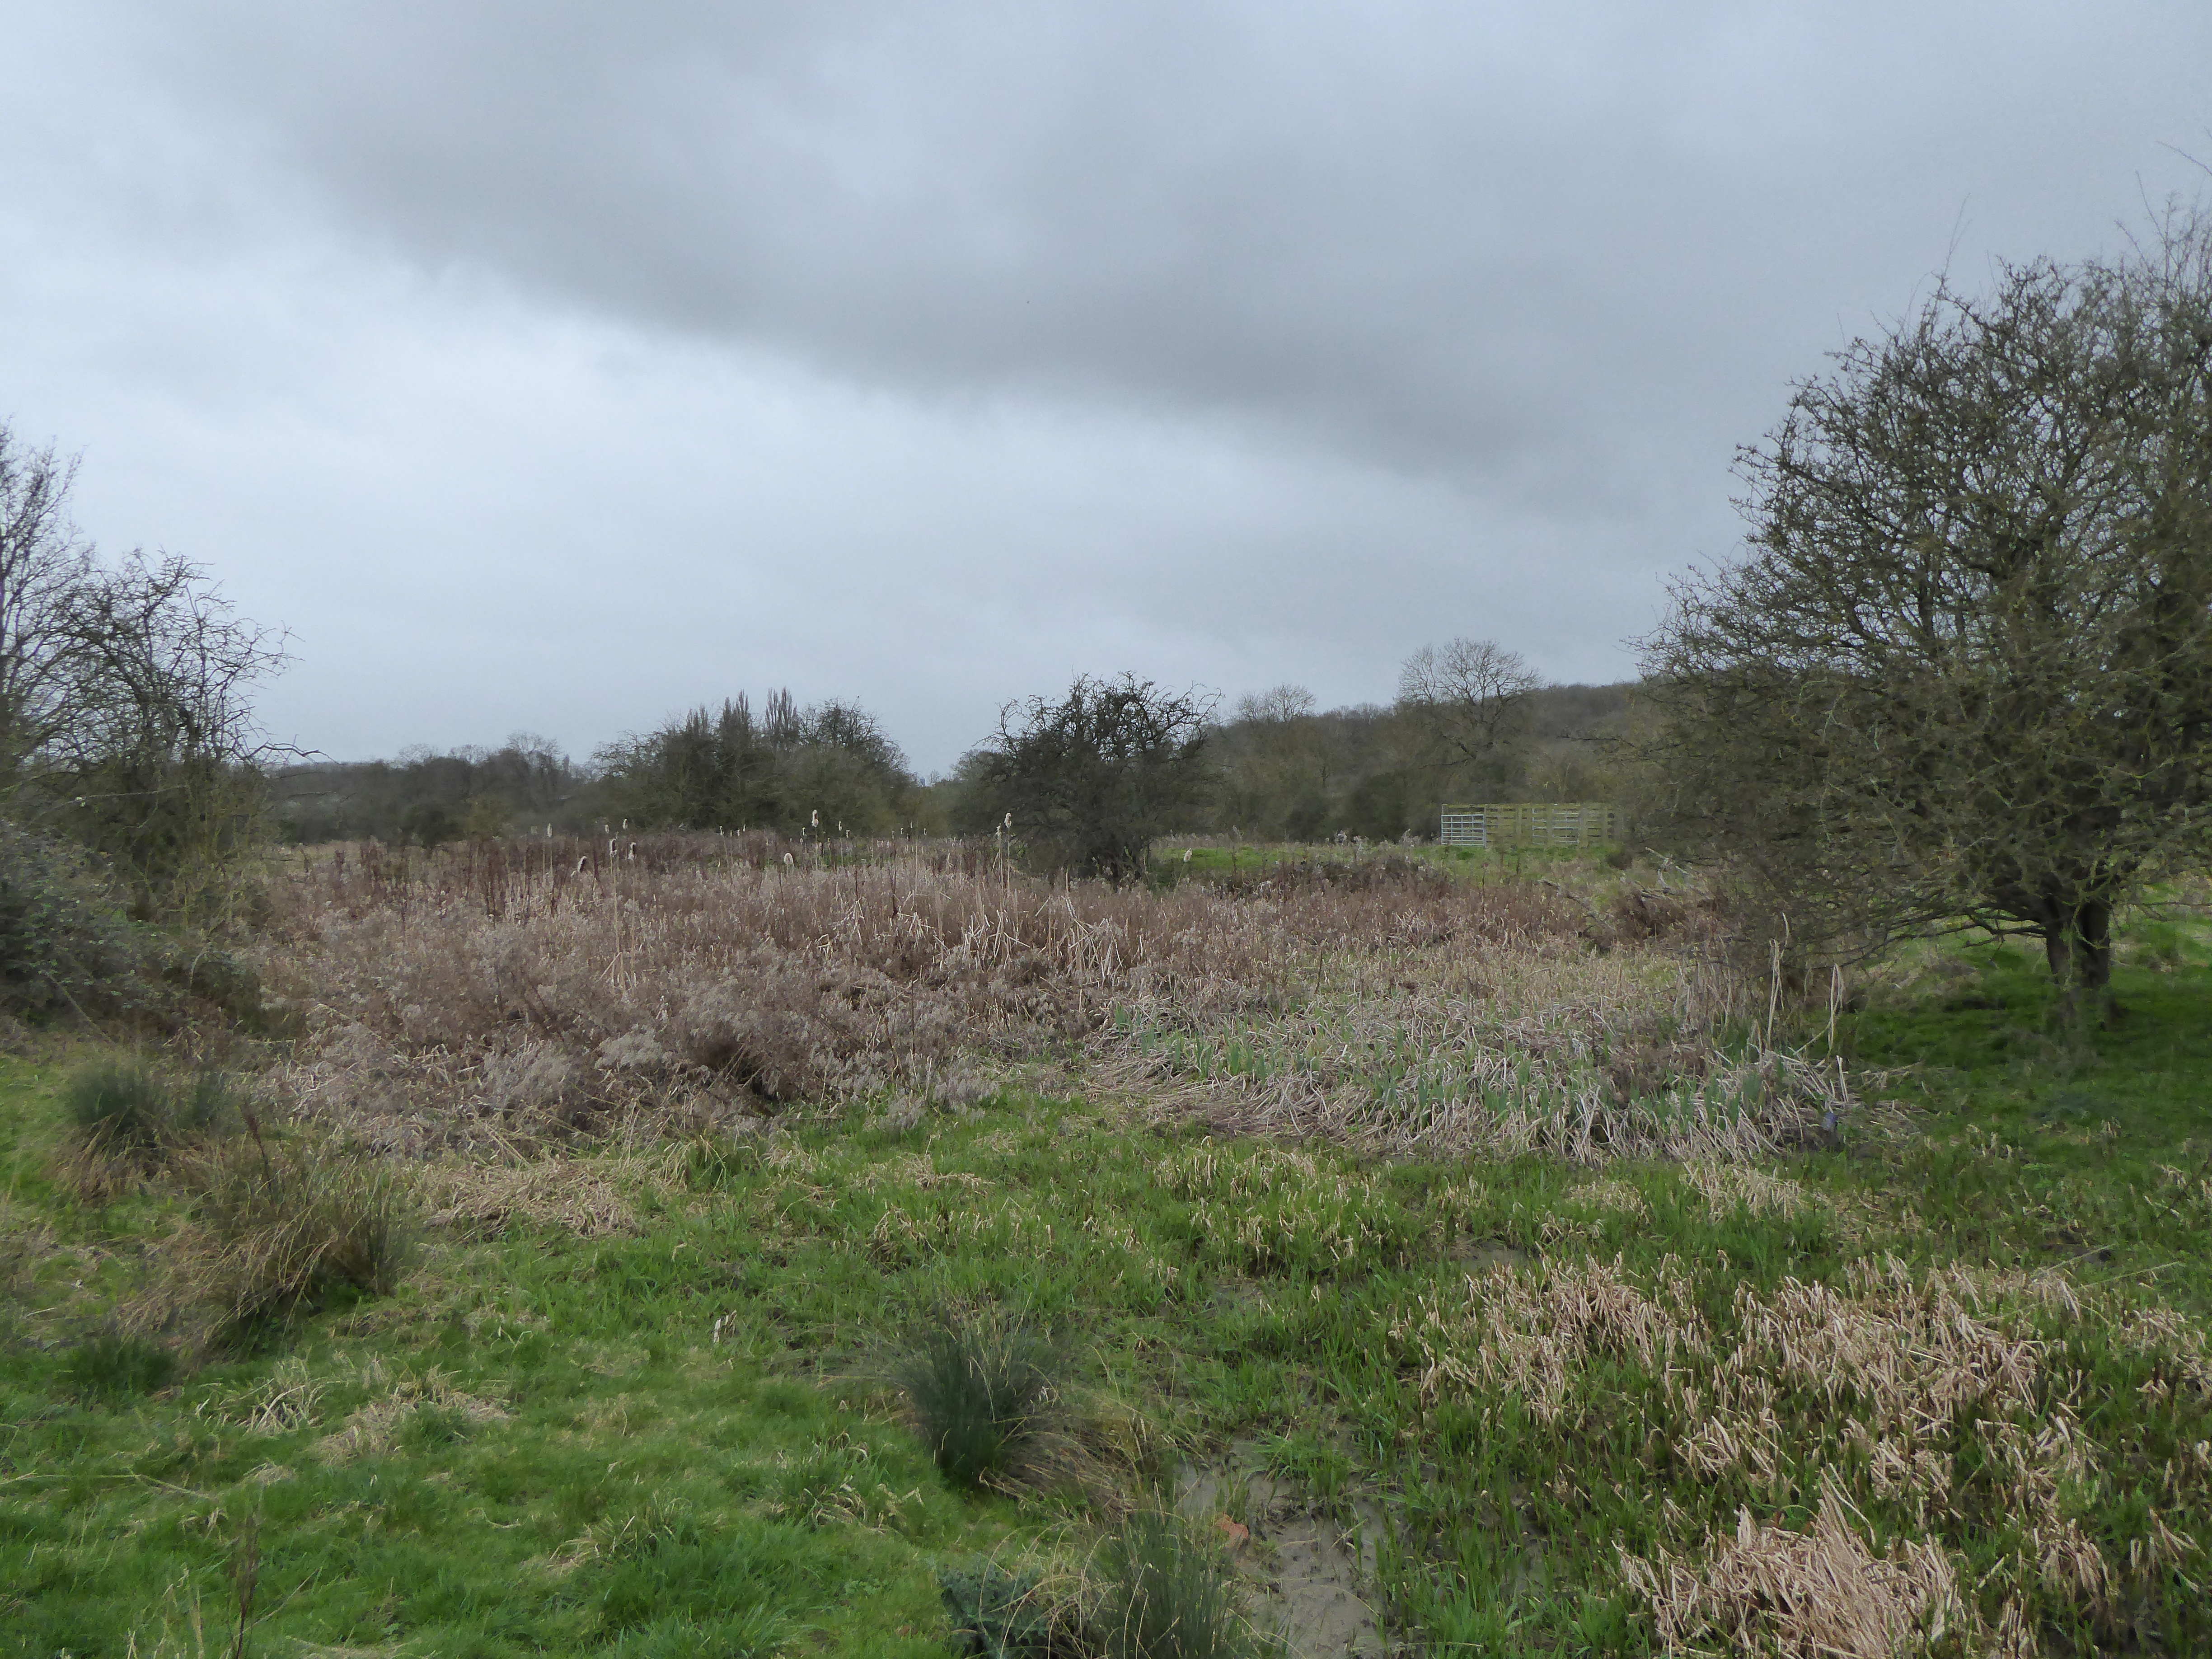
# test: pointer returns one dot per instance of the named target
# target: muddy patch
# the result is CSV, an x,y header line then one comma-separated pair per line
x,y
1307,1581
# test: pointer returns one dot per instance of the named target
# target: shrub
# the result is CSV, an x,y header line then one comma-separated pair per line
x,y
277,1231
1089,782
112,1365
429,823
983,1393
1169,1596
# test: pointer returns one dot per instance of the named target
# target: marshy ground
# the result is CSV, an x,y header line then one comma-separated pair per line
x,y
1458,1237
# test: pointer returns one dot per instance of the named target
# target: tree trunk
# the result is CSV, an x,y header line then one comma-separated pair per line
x,y
2077,942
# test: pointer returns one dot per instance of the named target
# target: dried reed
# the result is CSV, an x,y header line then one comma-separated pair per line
x,y
507,998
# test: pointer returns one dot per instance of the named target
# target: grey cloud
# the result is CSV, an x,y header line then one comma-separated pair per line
x,y
935,352
1441,240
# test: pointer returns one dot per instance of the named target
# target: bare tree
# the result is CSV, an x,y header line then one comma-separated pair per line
x,y
1963,673
124,712
43,564
1278,705
1465,702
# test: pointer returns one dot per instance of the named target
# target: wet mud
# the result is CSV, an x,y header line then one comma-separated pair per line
x,y
1311,1578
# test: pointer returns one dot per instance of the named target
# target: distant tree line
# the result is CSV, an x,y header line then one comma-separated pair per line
x,y
1471,722
823,770
423,798
1288,770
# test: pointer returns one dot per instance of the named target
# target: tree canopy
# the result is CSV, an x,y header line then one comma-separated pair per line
x,y
1467,704
125,719
1963,670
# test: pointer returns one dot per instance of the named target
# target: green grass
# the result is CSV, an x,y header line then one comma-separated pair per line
x,y
110,1364
675,1439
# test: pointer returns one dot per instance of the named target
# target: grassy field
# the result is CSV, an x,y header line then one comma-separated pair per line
x,y
1300,1206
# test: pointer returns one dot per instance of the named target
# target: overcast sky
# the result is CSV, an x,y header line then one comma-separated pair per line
x,y
555,367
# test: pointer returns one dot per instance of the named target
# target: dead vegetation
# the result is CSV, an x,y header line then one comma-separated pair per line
x,y
1821,1593
1937,1399
512,998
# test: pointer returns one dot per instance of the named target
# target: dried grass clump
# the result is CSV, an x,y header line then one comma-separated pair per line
x,y
289,1395
1820,1593
275,1228
1926,1396
1532,1334
480,1199
425,1408
1615,1195
1728,1186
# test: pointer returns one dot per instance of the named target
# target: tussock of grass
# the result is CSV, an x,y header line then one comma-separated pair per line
x,y
1164,1593
121,1107
277,1227
985,1392
128,1121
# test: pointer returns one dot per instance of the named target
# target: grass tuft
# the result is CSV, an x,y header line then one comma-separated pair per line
x,y
278,1230
984,1393
121,1106
129,1121
1170,1595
